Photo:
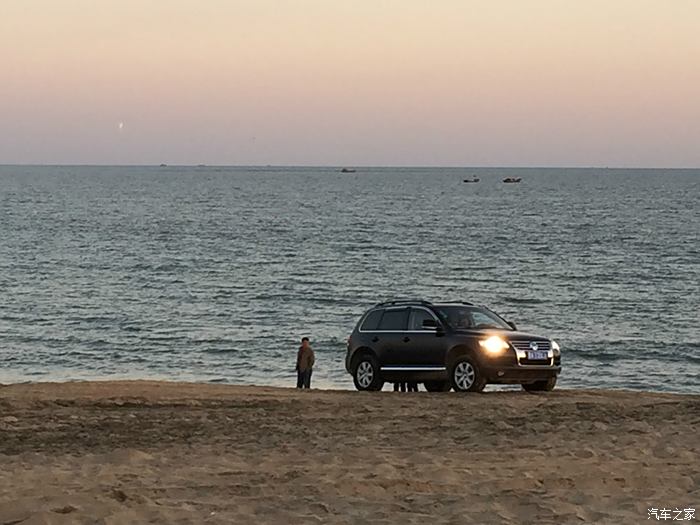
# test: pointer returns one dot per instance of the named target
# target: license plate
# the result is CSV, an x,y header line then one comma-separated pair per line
x,y
537,356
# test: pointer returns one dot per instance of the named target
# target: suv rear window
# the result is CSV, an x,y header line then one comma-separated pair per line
x,y
371,322
394,319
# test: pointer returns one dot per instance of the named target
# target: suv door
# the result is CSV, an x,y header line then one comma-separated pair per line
x,y
425,347
387,339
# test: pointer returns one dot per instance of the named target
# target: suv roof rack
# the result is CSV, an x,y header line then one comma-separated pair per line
x,y
457,302
404,301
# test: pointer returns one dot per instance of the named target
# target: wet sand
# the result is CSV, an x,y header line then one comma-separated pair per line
x,y
154,452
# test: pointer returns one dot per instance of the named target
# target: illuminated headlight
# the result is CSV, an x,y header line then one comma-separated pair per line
x,y
555,346
493,345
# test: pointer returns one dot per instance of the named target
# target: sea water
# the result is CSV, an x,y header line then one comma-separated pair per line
x,y
215,273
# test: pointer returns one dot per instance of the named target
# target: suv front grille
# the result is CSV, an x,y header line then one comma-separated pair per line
x,y
524,346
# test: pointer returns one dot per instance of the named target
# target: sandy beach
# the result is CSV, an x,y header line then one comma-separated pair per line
x,y
154,452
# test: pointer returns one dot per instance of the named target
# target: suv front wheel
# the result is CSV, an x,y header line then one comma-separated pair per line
x,y
465,376
546,385
367,375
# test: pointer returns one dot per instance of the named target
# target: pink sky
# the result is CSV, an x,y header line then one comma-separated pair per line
x,y
376,82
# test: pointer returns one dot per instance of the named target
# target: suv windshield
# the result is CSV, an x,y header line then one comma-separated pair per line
x,y
471,317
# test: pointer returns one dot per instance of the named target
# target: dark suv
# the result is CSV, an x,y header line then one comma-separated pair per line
x,y
447,345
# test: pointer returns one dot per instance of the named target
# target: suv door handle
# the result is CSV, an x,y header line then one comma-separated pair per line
x,y
406,339
375,339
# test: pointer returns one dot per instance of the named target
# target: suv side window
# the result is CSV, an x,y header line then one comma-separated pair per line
x,y
371,322
418,315
394,319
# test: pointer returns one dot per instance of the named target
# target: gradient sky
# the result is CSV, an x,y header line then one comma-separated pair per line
x,y
361,82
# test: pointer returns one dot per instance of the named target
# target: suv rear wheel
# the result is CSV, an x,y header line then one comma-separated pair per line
x,y
367,375
546,385
465,376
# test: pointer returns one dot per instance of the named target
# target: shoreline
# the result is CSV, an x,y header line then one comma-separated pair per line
x,y
144,451
289,384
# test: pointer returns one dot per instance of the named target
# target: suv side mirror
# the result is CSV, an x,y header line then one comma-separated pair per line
x,y
512,325
430,324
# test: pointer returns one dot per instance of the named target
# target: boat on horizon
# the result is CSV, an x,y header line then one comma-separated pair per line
x,y
348,170
473,179
512,180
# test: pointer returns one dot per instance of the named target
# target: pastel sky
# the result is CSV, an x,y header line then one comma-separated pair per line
x,y
356,82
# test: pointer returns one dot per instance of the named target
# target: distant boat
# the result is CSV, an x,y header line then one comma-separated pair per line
x,y
473,179
347,170
163,165
512,180
201,165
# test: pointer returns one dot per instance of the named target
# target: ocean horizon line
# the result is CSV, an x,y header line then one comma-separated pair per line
x,y
340,166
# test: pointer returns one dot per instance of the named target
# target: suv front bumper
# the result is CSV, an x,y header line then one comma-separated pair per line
x,y
519,374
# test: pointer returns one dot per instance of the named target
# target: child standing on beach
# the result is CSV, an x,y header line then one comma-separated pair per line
x,y
305,364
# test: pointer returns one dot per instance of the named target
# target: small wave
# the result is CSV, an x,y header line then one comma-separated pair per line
x,y
631,351
523,300
164,338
